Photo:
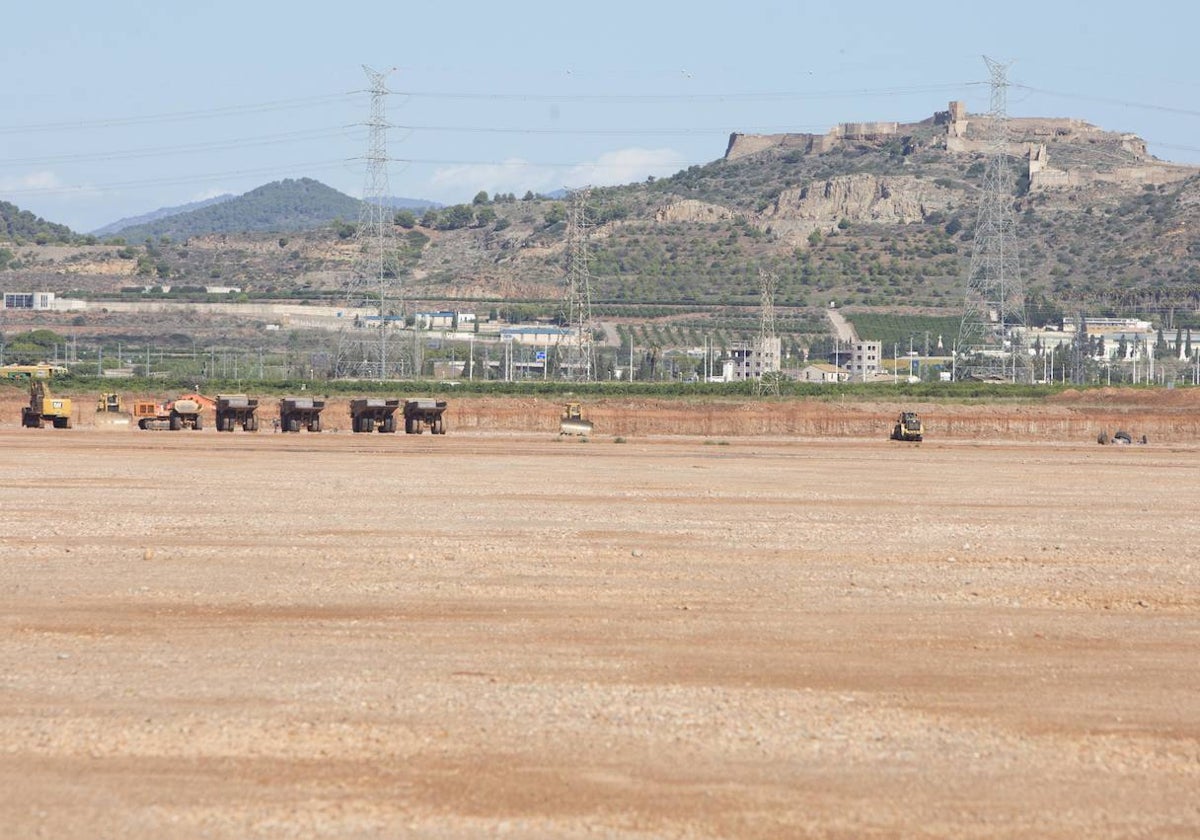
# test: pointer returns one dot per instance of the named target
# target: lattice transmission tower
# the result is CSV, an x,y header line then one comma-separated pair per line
x,y
372,293
579,359
767,349
991,337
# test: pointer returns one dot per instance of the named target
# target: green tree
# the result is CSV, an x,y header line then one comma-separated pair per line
x,y
456,217
481,197
405,219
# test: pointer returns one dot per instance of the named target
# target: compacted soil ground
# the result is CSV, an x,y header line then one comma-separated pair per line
x,y
489,633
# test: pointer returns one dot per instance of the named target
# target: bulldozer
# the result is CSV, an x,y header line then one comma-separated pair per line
x,y
43,407
572,422
110,413
908,427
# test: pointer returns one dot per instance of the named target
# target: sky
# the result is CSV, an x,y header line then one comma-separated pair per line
x,y
115,109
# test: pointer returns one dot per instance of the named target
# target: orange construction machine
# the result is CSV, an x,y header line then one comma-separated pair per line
x,y
185,412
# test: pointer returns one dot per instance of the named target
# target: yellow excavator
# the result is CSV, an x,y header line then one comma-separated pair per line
x,y
42,407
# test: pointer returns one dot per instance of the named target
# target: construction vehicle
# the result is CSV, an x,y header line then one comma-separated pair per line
x,y
1119,438
424,414
43,407
300,412
236,410
908,427
110,413
371,414
572,422
185,412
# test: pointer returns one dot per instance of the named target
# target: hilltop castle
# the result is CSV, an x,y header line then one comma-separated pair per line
x,y
1090,154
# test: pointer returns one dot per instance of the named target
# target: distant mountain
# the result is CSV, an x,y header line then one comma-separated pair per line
x,y
22,227
115,228
420,204
286,206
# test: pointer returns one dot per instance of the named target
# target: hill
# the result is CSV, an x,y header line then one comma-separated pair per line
x,y
21,227
878,214
871,215
415,204
115,228
279,207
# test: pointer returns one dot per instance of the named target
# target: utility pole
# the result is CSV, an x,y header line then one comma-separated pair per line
x,y
991,337
767,350
580,361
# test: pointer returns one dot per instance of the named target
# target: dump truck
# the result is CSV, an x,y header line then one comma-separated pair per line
x,y
422,414
234,410
43,407
908,427
296,413
184,412
572,422
372,414
110,413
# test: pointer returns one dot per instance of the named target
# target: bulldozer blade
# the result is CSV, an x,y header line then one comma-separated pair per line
x,y
113,420
575,427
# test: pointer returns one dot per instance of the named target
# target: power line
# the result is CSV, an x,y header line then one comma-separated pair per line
x,y
1105,100
654,98
159,151
189,179
177,116
612,132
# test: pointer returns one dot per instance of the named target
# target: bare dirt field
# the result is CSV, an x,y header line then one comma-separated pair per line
x,y
490,633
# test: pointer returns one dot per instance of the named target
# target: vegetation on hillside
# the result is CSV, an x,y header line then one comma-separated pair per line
x,y
279,207
21,227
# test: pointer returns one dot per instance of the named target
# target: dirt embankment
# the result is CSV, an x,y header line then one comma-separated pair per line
x,y
1163,416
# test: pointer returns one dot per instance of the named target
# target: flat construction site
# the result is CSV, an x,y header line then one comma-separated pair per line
x,y
489,633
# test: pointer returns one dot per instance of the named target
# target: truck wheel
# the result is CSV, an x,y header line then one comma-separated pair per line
x,y
315,425
439,426
176,422
389,425
198,423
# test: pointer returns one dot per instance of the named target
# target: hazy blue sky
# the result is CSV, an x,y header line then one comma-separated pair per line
x,y
114,109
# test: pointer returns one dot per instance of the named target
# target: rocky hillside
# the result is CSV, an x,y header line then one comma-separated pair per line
x,y
876,214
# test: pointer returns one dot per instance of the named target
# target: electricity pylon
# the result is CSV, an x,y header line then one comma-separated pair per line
x,y
372,292
991,336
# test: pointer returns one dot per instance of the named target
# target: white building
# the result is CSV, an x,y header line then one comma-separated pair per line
x,y
865,360
37,301
822,372
752,359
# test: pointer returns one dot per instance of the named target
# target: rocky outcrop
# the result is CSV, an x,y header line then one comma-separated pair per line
x,y
691,210
861,198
